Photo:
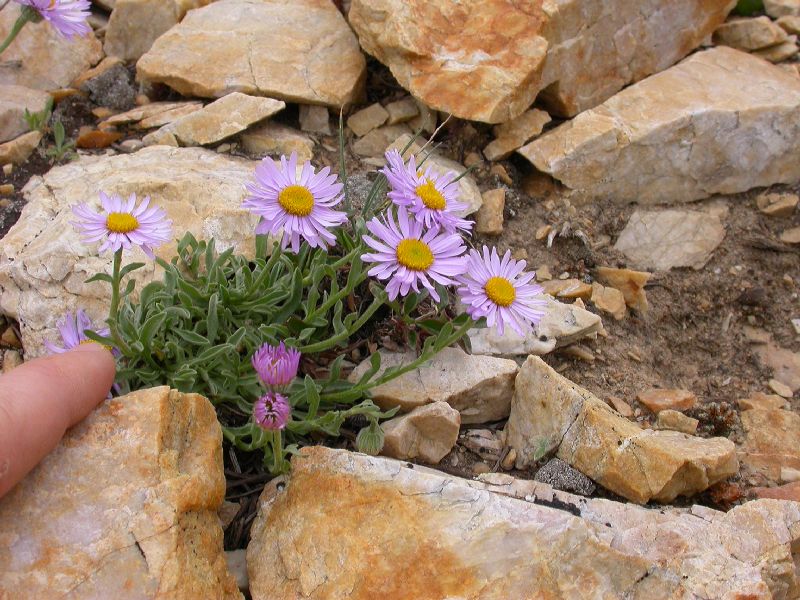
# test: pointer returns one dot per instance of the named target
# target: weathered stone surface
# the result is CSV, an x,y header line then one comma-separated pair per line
x,y
80,526
683,134
402,110
487,61
561,476
562,325
367,119
567,288
779,52
274,139
300,51
630,283
513,134
777,205
315,119
749,34
790,24
40,57
657,399
770,441
18,150
551,413
14,100
670,238
762,401
418,533
165,117
784,363
222,118
468,188
489,218
609,300
135,24
479,387
790,491
782,8
676,421
146,111
43,265
428,433
790,236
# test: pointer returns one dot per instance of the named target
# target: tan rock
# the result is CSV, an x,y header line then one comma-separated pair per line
x,y
676,421
165,117
135,24
145,111
550,413
563,324
489,218
419,533
487,61
108,63
780,388
14,101
44,266
770,441
780,52
375,143
749,34
790,24
790,236
11,360
782,8
479,387
670,238
367,119
274,139
314,119
777,205
790,491
161,137
784,363
620,406
402,110
81,526
637,147
428,433
763,402
425,120
513,134
630,283
567,288
657,399
609,300
469,192
18,150
260,48
41,58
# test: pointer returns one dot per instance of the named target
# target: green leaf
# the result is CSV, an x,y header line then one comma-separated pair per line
x,y
192,337
130,267
312,396
100,277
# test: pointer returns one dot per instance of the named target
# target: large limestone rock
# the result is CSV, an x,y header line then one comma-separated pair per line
x,y
14,101
550,413
479,387
684,134
299,51
124,507
351,526
135,24
40,57
488,60
43,264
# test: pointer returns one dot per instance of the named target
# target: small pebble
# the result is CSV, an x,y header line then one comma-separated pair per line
x,y
6,189
480,467
9,338
8,169
783,390
508,461
11,360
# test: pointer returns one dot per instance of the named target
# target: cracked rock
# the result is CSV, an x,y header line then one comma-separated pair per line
x,y
428,433
479,387
82,525
301,51
43,264
348,525
686,133
551,413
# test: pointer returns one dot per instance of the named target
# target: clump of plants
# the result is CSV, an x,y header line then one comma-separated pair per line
x,y
265,337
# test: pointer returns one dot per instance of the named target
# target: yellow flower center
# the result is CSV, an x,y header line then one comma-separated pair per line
x,y
414,254
121,222
500,291
296,200
430,196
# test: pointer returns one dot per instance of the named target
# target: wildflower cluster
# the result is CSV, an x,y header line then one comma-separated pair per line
x,y
67,17
236,328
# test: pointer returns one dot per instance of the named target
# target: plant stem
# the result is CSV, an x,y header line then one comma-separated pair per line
x,y
23,18
113,312
277,452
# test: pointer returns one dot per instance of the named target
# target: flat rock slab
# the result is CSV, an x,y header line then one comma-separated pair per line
x,y
417,533
487,61
40,57
14,101
43,264
670,238
689,132
479,387
124,507
298,51
549,413
771,441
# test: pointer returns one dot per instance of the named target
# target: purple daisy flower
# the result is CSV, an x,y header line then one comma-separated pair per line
x,y
276,365
498,290
68,17
302,208
271,411
123,224
72,328
407,257
432,198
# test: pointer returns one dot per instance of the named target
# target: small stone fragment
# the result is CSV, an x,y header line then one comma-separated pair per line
x,y
145,111
749,34
630,283
609,300
129,146
14,101
782,8
402,110
315,119
620,406
6,189
563,477
790,491
770,443
10,338
104,65
489,218
790,24
375,143
542,232
657,399
160,137
483,442
427,433
788,474
276,139
567,288
783,390
18,150
97,139
508,461
166,117
676,421
135,24
777,205
425,120
762,401
514,134
790,236
367,119
779,53
11,360
8,169
236,561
